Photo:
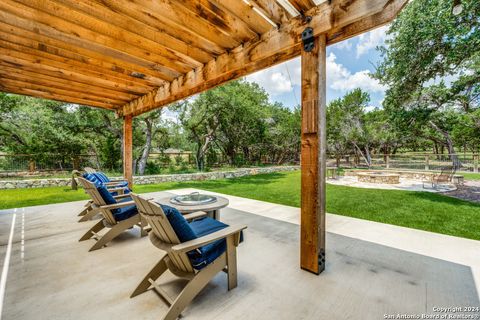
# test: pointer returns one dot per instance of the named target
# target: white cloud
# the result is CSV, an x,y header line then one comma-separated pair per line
x,y
370,40
340,78
343,45
276,80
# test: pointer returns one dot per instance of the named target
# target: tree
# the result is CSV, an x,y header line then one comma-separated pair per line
x,y
445,51
347,124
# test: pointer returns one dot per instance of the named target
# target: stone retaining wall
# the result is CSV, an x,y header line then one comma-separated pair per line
x,y
412,175
62,182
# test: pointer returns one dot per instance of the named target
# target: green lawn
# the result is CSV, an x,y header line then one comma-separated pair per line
x,y
470,176
420,210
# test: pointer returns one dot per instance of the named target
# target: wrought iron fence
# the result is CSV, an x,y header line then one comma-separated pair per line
x,y
408,161
45,162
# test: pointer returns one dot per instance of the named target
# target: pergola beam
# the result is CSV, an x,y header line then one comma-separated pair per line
x,y
275,46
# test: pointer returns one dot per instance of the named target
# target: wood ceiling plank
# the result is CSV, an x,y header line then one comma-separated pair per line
x,y
105,13
78,35
53,45
176,14
52,96
47,60
221,18
18,44
302,5
155,20
67,93
245,13
272,10
61,73
276,46
95,18
61,83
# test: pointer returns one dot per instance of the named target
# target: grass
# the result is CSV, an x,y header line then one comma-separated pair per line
x,y
470,176
419,210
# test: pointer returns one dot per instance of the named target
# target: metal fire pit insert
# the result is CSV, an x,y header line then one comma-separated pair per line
x,y
193,199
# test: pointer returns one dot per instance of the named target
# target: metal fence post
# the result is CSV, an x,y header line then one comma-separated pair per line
x,y
387,161
475,163
427,162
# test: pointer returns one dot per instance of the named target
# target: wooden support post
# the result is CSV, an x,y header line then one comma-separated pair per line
x,y
313,158
427,162
387,161
128,150
475,163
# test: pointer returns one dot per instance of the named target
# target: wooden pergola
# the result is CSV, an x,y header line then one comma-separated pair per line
x,y
133,56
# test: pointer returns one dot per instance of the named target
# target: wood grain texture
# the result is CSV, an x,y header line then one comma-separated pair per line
x,y
302,5
276,46
155,52
313,157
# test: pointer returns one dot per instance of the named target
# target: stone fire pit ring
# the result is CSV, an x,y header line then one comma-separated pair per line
x,y
378,177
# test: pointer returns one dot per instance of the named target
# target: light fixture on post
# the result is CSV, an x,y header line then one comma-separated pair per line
x,y
457,7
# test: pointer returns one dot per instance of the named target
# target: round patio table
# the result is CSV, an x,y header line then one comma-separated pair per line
x,y
212,209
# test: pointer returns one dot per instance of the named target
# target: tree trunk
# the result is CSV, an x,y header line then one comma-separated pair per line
x,y
367,157
451,150
202,151
142,162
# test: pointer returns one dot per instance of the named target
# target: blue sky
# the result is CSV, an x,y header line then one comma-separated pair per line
x,y
348,65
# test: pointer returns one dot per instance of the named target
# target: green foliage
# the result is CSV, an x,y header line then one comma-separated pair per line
x,y
237,120
431,66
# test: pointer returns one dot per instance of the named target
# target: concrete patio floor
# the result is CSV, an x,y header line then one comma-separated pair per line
x,y
372,269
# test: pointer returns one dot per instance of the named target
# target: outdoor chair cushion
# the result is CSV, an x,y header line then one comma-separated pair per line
x,y
101,176
92,178
125,212
205,255
186,231
179,224
104,179
120,213
106,195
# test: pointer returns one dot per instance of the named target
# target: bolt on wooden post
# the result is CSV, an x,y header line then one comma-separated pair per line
x,y
313,157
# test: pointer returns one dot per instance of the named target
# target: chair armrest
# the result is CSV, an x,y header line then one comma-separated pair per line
x,y
200,242
194,215
120,196
118,205
116,189
112,184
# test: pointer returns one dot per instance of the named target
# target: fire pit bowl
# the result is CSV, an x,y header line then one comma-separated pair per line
x,y
193,199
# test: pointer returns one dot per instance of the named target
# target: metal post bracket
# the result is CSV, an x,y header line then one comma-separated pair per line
x,y
308,39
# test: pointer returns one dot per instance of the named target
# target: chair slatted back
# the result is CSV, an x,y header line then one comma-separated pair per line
x,y
152,212
446,174
89,170
92,191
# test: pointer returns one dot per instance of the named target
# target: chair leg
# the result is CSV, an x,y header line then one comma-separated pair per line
x,y
114,232
143,225
84,211
194,287
89,215
97,227
231,262
87,206
154,274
